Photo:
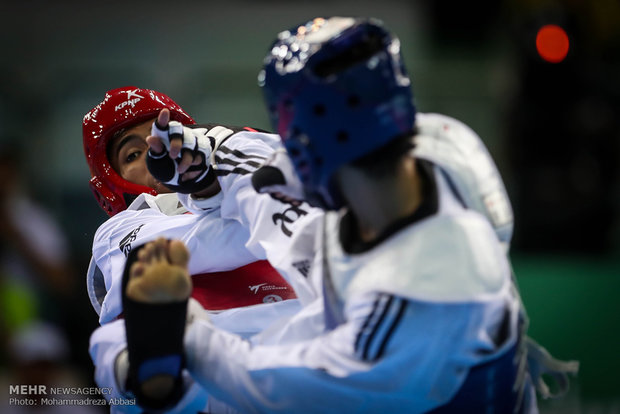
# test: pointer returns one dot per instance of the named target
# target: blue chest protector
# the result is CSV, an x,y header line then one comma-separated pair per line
x,y
496,386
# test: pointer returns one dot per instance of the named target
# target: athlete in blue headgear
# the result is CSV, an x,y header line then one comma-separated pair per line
x,y
336,90
418,308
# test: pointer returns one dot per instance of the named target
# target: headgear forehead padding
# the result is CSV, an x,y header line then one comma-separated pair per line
x,y
336,90
120,109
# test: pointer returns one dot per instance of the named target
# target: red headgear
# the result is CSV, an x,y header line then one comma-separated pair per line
x,y
121,108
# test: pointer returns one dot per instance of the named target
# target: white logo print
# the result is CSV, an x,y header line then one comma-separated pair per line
x,y
133,93
129,101
272,299
256,287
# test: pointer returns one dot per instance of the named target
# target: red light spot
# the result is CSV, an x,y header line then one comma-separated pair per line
x,y
552,43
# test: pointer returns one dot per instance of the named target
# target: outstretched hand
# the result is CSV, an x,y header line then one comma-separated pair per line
x,y
155,143
187,160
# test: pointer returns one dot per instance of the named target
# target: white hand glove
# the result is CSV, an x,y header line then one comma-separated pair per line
x,y
190,171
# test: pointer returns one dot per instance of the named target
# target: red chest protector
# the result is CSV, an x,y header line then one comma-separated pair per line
x,y
252,284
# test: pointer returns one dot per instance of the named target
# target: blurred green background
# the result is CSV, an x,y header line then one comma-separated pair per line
x,y
574,314
554,130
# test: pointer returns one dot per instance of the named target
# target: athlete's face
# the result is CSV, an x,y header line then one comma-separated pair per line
x,y
128,156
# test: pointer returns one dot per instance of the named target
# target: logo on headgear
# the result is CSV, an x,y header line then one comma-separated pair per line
x,y
129,100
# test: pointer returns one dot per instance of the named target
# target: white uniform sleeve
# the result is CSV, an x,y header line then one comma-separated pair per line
x,y
282,231
107,344
392,355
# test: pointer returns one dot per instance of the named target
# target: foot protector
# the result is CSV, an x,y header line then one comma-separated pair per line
x,y
154,344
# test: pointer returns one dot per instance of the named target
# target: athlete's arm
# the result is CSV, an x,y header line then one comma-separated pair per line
x,y
392,355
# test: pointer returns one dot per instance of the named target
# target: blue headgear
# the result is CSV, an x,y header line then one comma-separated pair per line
x,y
336,90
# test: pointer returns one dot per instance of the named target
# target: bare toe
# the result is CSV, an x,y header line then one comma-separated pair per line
x,y
160,249
148,252
178,253
136,269
160,274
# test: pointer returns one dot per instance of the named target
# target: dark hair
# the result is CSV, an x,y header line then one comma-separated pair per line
x,y
384,160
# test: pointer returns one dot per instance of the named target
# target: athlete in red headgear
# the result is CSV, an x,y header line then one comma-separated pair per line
x,y
121,111
231,278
